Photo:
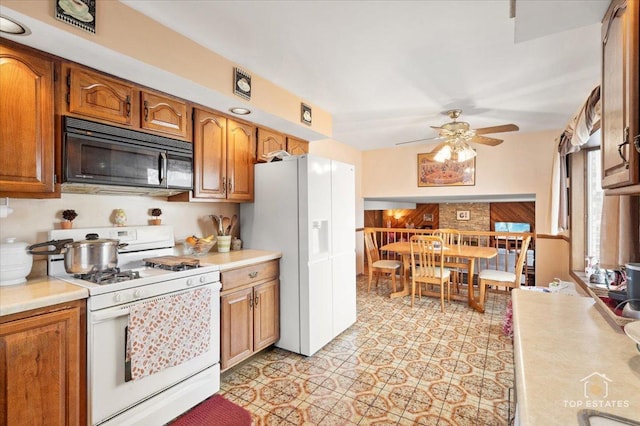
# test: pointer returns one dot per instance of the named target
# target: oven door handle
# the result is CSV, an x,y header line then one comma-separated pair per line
x,y
108,314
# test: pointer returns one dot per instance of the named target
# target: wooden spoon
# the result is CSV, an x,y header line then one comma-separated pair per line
x,y
217,222
234,220
225,225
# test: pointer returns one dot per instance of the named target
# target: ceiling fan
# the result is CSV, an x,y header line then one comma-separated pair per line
x,y
457,134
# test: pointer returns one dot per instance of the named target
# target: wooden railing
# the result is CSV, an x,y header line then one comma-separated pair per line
x,y
507,243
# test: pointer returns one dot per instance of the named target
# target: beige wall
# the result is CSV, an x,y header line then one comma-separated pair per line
x,y
33,219
552,260
520,165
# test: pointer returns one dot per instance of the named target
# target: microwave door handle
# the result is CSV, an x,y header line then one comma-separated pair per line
x,y
163,168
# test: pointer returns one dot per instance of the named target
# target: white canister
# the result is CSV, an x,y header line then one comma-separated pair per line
x,y
15,262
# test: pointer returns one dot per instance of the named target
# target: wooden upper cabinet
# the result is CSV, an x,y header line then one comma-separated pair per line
x,y
27,141
297,146
619,94
269,141
241,157
164,114
210,154
99,97
95,95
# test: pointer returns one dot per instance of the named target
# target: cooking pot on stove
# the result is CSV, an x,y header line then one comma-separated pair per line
x,y
83,257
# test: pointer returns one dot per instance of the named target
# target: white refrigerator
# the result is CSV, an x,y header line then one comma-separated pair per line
x,y
304,207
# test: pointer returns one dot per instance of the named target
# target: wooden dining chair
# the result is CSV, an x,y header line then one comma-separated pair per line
x,y
509,280
377,265
455,265
427,266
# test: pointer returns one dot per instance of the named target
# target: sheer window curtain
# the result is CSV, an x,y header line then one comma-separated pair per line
x,y
577,133
620,221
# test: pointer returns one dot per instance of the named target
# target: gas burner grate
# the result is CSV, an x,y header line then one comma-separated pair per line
x,y
174,268
172,263
109,276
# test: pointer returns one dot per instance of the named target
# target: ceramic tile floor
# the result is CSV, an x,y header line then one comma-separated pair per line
x,y
396,365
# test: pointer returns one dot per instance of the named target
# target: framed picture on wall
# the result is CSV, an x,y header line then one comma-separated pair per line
x,y
462,215
449,173
79,13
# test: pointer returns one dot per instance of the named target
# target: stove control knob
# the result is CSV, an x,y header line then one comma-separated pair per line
x,y
190,282
203,279
118,297
137,294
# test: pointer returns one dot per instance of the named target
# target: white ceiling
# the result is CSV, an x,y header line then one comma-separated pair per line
x,y
386,70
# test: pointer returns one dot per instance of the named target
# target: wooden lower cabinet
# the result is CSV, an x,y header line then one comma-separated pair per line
x,y
42,364
250,312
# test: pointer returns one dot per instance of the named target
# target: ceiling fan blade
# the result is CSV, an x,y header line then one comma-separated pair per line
x,y
497,129
484,140
420,140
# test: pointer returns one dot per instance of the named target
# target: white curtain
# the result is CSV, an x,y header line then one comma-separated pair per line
x,y
577,133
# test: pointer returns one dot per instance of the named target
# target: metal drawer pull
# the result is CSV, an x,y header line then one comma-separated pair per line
x,y
253,274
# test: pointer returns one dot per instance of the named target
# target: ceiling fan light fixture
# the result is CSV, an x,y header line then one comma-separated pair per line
x,y
444,154
458,151
467,153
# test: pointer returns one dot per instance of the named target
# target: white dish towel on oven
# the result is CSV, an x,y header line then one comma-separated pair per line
x,y
168,331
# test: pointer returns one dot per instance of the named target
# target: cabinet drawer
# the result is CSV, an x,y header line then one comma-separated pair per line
x,y
249,274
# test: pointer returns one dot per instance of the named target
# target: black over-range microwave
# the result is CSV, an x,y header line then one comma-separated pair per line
x,y
99,154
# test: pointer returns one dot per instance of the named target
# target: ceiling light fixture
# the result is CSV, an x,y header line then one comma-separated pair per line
x,y
240,111
455,150
11,26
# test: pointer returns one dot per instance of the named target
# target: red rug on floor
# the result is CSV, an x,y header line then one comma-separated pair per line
x,y
214,411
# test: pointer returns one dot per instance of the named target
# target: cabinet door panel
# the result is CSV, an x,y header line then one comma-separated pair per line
x,y
241,149
164,114
269,141
210,141
619,93
40,356
94,95
297,146
237,327
266,315
26,125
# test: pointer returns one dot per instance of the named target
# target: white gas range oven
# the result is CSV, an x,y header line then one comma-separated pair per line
x,y
122,388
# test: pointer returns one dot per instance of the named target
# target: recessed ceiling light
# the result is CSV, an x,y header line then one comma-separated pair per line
x,y
240,111
11,26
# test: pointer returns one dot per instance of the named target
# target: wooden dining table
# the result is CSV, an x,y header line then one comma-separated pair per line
x,y
458,251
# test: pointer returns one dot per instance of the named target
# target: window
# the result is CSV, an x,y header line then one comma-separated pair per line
x,y
594,195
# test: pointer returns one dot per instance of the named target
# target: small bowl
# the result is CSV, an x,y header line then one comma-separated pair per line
x,y
200,248
632,330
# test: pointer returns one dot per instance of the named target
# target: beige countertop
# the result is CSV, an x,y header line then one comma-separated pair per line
x,y
38,293
47,291
568,357
236,259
